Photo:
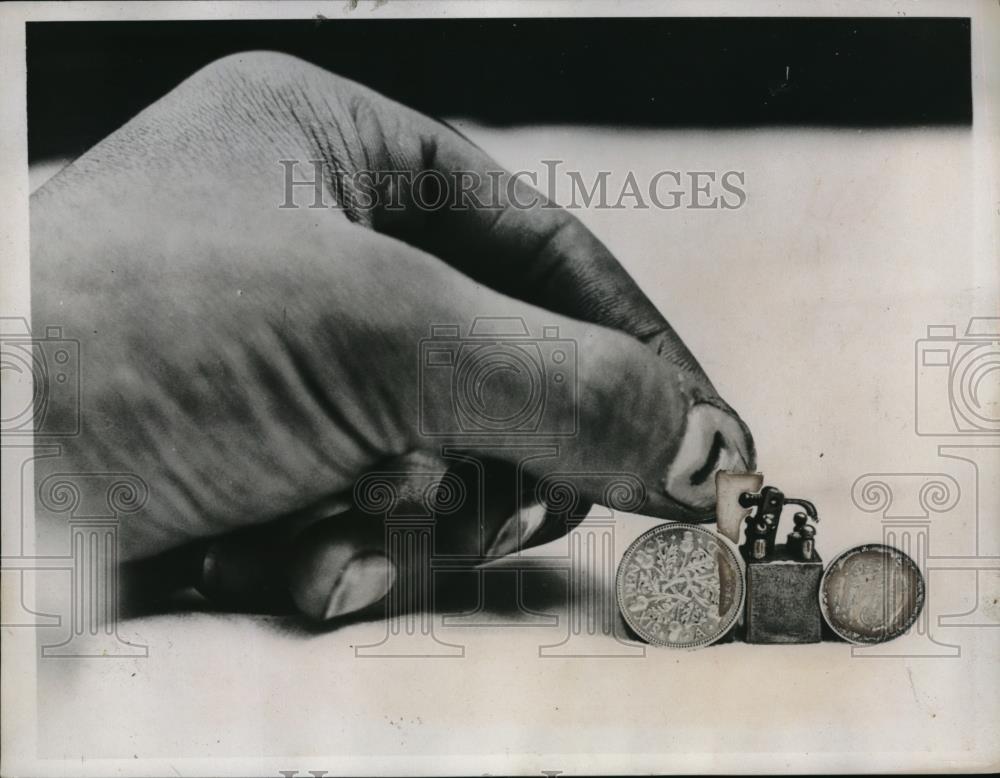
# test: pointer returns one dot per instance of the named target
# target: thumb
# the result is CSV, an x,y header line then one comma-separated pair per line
x,y
501,375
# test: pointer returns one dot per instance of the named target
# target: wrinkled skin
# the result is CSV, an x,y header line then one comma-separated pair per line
x,y
249,362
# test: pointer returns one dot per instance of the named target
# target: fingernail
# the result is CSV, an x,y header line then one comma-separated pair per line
x,y
208,583
517,530
239,573
365,581
713,441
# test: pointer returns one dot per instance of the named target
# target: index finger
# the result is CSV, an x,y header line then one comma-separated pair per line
x,y
519,244
498,229
525,246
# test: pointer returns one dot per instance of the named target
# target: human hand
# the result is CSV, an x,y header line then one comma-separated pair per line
x,y
251,362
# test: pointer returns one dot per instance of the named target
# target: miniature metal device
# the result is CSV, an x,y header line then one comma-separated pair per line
x,y
782,599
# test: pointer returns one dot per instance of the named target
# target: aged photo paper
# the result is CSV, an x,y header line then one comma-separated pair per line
x,y
423,387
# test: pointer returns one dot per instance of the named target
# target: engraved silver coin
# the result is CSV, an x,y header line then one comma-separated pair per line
x,y
871,594
680,586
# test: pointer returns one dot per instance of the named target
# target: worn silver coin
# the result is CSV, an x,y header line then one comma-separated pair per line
x,y
681,586
871,593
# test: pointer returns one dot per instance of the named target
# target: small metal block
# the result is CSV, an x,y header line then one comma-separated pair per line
x,y
782,600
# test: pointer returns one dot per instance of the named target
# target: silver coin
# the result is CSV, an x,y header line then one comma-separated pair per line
x,y
681,586
871,594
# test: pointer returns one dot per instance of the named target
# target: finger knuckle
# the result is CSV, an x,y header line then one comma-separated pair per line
x,y
253,68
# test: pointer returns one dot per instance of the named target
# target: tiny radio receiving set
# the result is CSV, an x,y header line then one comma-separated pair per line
x,y
683,586
782,579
